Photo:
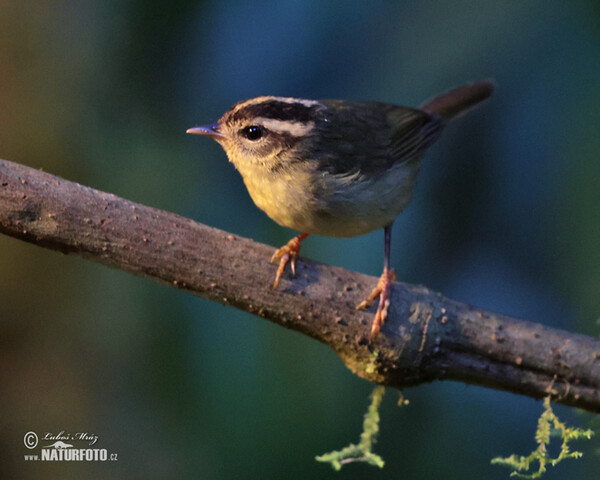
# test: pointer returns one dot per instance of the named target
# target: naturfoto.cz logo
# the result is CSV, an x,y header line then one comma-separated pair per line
x,y
62,451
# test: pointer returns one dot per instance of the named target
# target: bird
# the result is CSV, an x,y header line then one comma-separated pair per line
x,y
336,168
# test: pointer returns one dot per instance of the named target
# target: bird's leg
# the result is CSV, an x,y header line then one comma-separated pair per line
x,y
383,288
288,253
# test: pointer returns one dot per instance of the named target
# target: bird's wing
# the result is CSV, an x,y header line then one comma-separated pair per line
x,y
369,138
412,132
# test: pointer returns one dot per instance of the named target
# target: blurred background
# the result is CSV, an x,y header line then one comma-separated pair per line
x,y
505,216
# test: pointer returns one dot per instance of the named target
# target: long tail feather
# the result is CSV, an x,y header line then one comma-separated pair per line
x,y
457,102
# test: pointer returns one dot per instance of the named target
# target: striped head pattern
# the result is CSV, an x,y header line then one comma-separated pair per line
x,y
261,128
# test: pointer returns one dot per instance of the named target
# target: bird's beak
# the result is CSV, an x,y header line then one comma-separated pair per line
x,y
207,130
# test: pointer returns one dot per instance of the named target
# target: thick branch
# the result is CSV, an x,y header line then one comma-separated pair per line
x,y
426,337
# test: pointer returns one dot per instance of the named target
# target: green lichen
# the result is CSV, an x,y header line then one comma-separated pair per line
x,y
547,425
371,366
362,452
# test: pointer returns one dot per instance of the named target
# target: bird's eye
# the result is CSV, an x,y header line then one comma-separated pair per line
x,y
252,132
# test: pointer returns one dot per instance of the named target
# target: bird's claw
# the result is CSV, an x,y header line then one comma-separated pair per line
x,y
382,290
289,253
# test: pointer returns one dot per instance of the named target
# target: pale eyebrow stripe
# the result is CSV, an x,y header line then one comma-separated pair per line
x,y
296,129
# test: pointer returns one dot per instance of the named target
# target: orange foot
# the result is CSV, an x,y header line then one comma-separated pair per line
x,y
383,291
288,253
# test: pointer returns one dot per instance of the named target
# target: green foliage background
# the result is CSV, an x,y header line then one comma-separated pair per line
x,y
505,216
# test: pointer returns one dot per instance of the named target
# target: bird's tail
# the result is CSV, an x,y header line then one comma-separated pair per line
x,y
455,103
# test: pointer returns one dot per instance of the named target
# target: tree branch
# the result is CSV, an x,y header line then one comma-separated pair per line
x,y
426,337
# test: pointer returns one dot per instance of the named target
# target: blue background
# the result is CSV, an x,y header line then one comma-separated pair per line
x,y
505,216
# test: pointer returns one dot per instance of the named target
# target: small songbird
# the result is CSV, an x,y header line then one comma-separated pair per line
x,y
335,167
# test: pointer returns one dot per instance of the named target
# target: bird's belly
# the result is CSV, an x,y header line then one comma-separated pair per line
x,y
334,206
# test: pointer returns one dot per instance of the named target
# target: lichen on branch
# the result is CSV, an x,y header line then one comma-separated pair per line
x,y
363,450
548,425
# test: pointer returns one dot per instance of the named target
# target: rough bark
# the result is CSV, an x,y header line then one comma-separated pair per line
x,y
426,337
